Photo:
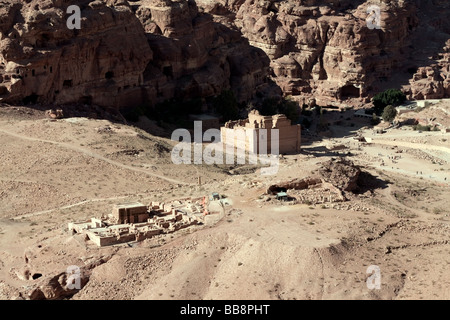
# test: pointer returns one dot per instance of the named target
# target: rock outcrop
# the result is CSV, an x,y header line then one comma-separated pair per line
x,y
324,50
125,54
433,82
42,60
194,56
340,175
129,53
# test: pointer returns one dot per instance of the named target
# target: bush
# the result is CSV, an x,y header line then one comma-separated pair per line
x,y
420,127
375,120
392,97
290,109
269,107
306,123
226,105
272,106
305,110
389,113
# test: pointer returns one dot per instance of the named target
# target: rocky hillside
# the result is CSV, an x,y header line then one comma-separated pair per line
x,y
133,52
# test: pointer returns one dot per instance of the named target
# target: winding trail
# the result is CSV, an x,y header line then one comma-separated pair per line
x,y
420,146
28,215
91,154
393,200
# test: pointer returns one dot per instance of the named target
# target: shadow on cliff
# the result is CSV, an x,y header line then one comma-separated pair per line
x,y
332,124
426,41
231,64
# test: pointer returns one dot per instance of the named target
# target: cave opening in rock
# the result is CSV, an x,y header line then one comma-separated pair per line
x,y
109,75
350,91
277,189
168,71
412,70
67,83
86,100
31,99
36,276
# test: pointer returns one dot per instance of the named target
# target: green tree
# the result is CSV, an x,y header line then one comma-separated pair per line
x,y
290,109
389,113
226,105
272,106
375,120
269,107
392,97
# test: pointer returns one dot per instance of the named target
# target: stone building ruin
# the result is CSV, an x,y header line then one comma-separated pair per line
x,y
137,222
289,135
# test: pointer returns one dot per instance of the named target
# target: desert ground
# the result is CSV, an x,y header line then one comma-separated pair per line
x,y
57,171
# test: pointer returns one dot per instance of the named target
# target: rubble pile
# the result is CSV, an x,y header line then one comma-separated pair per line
x,y
335,181
341,173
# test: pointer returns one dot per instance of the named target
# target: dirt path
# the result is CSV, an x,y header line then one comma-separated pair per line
x,y
93,155
424,147
393,200
28,215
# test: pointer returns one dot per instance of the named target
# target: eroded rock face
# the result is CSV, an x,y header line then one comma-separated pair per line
x,y
194,56
340,173
44,61
324,49
60,285
433,82
125,54
132,52
296,184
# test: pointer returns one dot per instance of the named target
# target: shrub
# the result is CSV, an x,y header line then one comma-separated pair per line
x,y
226,105
306,111
290,109
272,106
375,120
389,113
421,127
392,97
269,107
306,123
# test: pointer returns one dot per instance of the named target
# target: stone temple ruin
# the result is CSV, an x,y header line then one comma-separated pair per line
x,y
289,135
136,222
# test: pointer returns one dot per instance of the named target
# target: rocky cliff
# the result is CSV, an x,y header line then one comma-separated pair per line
x,y
132,52
125,54
325,52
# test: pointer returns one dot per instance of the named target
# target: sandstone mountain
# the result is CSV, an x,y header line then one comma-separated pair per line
x,y
129,53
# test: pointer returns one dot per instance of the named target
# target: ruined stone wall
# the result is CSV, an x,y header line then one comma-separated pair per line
x,y
258,127
237,137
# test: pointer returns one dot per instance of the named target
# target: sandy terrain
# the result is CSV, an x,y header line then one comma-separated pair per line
x,y
55,172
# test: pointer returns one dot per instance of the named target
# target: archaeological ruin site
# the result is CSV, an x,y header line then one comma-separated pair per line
x,y
238,150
